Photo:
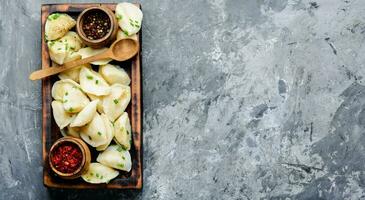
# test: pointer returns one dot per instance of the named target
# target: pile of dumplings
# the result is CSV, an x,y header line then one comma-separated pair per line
x,y
91,104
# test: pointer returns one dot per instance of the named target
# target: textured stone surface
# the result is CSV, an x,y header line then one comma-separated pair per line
x,y
242,100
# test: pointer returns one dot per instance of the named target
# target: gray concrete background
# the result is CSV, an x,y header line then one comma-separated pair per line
x,y
250,99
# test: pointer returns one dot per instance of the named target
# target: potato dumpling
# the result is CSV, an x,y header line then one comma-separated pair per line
x,y
116,157
109,128
73,73
123,131
57,25
64,49
94,133
74,100
93,83
114,74
60,87
129,18
98,173
61,117
117,101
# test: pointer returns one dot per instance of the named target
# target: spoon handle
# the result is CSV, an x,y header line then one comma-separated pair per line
x,y
69,65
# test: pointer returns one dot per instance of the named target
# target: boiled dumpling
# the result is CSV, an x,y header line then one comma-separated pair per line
x,y
117,101
86,115
122,131
88,51
60,87
114,74
98,173
57,25
93,83
122,35
73,73
129,18
116,157
64,49
74,100
61,117
94,133
109,133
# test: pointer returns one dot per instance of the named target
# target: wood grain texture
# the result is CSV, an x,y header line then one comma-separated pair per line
x,y
51,132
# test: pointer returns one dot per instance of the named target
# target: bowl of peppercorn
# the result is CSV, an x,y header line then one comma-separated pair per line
x,y
97,26
69,157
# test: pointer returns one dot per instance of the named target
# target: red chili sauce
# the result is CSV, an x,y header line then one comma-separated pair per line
x,y
66,158
96,25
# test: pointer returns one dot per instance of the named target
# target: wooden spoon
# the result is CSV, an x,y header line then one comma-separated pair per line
x,y
120,50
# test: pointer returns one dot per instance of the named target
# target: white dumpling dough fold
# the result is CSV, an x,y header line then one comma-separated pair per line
x,y
114,74
116,157
93,83
57,25
98,173
94,133
61,117
129,18
117,101
123,131
86,115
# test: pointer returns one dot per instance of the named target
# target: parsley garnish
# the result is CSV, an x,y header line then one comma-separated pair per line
x,y
66,93
96,82
97,175
89,77
99,133
119,17
126,33
116,101
120,149
121,165
123,157
70,109
54,16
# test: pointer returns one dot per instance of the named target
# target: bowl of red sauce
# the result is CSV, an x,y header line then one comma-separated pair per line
x,y
97,26
69,157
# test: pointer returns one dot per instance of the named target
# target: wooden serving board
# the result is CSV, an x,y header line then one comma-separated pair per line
x,y
51,132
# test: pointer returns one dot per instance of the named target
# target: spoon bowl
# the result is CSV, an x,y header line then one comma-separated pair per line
x,y
124,49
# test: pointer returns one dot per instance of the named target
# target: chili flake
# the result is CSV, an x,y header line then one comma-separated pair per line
x,y
66,158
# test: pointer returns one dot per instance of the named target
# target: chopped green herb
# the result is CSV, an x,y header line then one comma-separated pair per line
x,y
72,48
54,16
136,25
119,17
126,33
116,101
70,109
123,157
120,149
66,93
135,21
130,20
127,132
131,23
89,77
58,48
97,175
92,174
90,137
96,82
101,177
51,43
66,47
99,133
121,165
64,101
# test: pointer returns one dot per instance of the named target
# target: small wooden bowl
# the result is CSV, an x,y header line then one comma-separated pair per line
x,y
86,157
108,38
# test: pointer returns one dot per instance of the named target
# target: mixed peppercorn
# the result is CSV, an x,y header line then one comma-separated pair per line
x,y
96,25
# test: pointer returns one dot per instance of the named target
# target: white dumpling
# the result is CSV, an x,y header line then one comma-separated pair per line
x,y
60,87
74,100
117,101
88,51
57,25
73,73
61,117
98,173
86,115
116,157
109,133
94,133
93,83
129,17
123,131
64,49
114,74
122,35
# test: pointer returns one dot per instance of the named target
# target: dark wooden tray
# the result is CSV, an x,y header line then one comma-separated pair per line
x,y
51,132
